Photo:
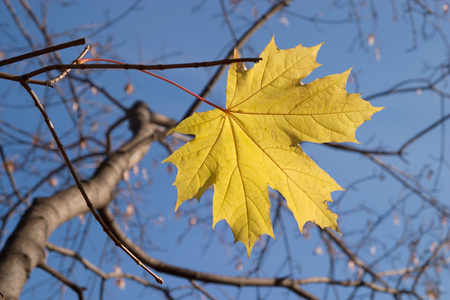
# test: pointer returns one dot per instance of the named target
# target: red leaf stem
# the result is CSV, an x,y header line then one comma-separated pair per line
x,y
84,60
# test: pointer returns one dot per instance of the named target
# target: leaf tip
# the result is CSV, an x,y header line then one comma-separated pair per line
x,y
171,131
235,53
240,66
249,251
347,73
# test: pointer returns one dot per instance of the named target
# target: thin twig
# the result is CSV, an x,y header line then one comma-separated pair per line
x,y
362,151
443,209
98,271
46,50
63,74
423,132
115,20
398,87
201,289
82,66
226,17
48,40
77,289
102,91
108,133
352,256
11,178
428,262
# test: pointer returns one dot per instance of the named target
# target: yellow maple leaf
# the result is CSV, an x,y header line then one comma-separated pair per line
x,y
254,142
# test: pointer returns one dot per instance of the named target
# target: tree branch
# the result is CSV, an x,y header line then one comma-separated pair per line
x,y
196,275
137,66
43,51
24,248
77,289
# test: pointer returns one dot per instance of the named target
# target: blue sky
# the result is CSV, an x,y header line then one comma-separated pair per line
x,y
190,31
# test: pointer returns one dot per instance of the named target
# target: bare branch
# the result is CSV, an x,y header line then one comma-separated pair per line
x,y
77,289
42,52
11,178
139,66
66,71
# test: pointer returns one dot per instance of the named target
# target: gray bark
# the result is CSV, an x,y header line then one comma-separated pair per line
x,y
24,249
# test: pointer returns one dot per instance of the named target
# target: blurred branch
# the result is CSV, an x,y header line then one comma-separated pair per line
x,y
201,289
318,19
98,271
226,17
291,284
444,210
445,242
77,289
42,26
423,132
197,275
101,90
360,34
11,178
429,85
355,283
20,25
132,7
352,256
402,148
362,151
